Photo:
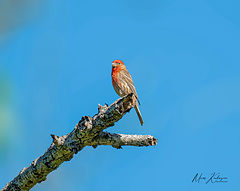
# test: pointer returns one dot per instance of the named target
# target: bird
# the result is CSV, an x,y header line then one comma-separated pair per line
x,y
123,84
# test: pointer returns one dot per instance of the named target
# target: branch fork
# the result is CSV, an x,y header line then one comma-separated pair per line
x,y
87,132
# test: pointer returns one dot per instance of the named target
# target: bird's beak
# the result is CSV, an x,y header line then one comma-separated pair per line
x,y
114,64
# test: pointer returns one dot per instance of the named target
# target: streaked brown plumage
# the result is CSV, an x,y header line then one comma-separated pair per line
x,y
123,83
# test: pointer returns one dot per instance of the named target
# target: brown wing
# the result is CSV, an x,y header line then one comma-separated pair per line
x,y
126,82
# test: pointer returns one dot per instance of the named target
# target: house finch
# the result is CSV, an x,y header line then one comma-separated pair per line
x,y
123,84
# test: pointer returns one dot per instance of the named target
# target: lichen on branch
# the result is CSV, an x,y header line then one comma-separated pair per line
x,y
87,132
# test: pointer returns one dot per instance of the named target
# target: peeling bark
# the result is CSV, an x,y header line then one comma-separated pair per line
x,y
87,132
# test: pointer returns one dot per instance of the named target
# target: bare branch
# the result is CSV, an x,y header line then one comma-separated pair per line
x,y
118,140
88,132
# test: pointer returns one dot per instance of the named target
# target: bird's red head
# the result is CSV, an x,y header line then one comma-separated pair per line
x,y
117,63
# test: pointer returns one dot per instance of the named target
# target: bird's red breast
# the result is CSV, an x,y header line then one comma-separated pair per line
x,y
117,66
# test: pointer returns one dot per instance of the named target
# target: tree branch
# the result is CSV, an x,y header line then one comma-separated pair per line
x,y
118,140
88,132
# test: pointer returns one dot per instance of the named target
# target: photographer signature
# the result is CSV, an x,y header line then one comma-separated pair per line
x,y
212,178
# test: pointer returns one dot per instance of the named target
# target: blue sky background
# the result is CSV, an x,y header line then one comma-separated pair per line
x,y
55,65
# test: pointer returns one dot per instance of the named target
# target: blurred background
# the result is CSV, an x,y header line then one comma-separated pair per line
x,y
55,66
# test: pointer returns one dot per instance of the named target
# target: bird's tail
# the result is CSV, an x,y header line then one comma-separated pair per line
x,y
138,113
